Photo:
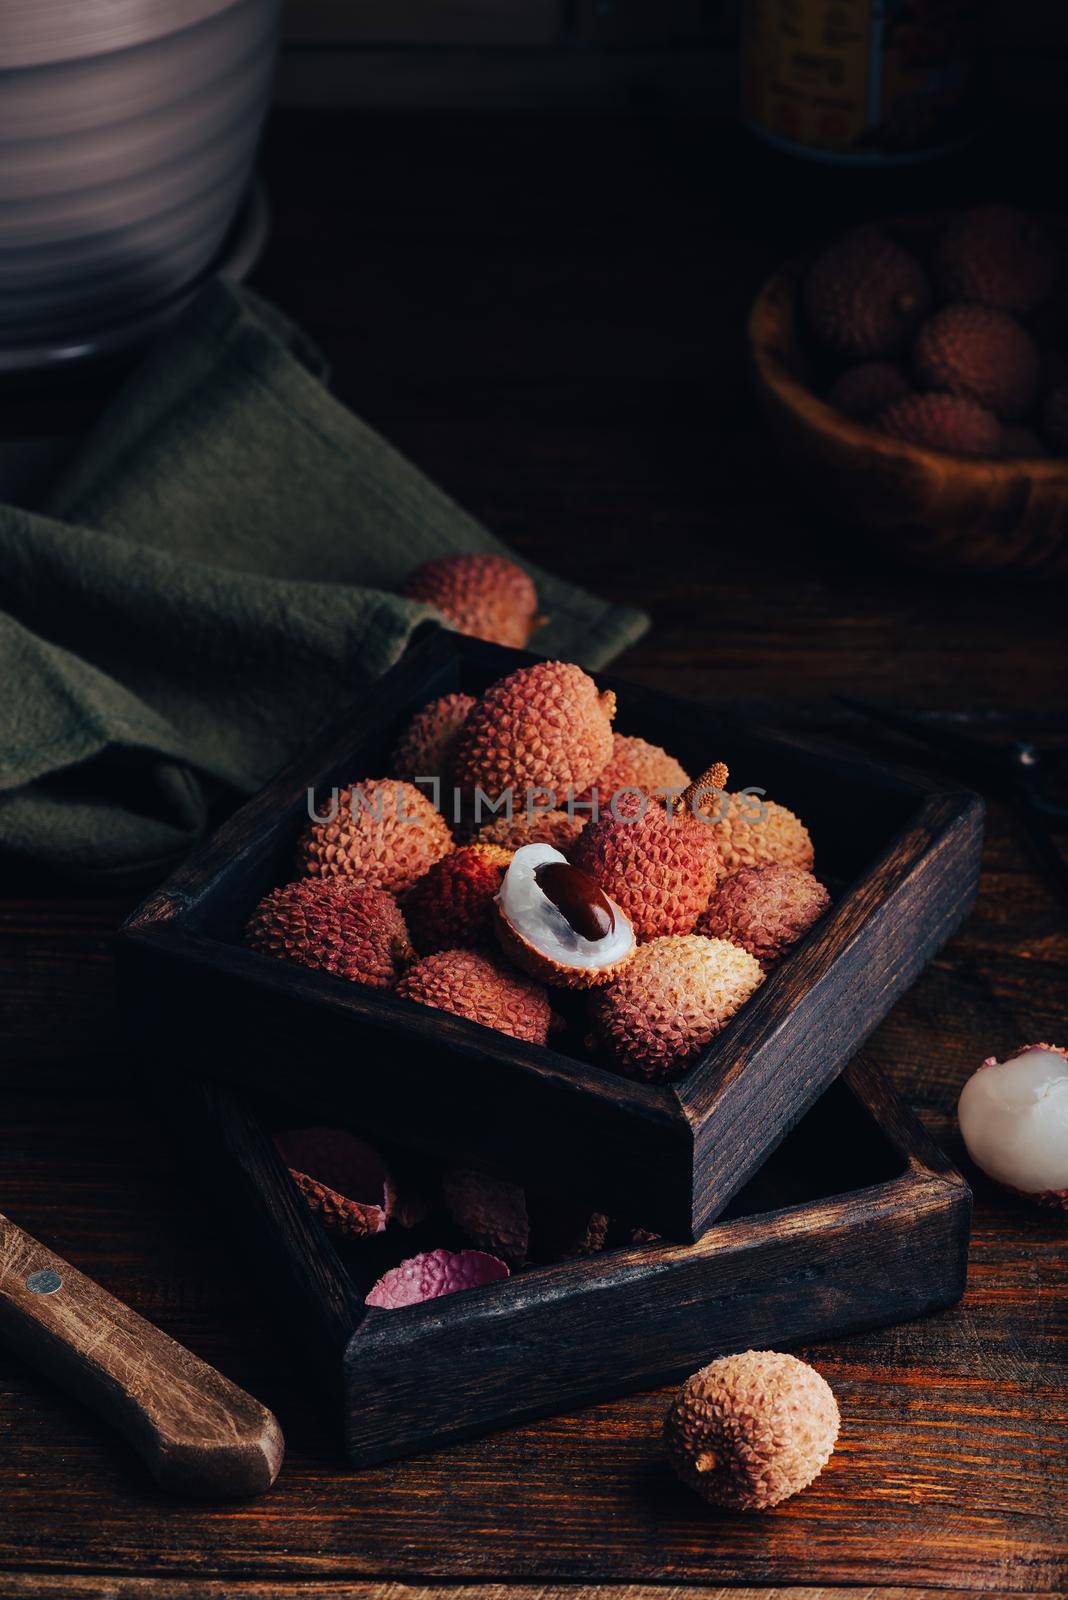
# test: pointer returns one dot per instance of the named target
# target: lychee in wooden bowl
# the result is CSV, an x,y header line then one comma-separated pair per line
x,y
929,508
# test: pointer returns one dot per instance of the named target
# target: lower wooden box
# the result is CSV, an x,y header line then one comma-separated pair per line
x,y
857,1220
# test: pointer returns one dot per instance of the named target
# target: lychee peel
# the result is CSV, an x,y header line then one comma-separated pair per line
x,y
670,1001
349,930
545,730
486,596
343,1179
765,910
469,984
433,1273
382,832
982,354
750,1430
424,749
864,295
452,905
1013,1118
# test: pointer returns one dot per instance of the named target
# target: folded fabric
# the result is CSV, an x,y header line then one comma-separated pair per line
x,y
211,577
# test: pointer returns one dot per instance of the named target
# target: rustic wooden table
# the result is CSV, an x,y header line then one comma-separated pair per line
x,y
547,317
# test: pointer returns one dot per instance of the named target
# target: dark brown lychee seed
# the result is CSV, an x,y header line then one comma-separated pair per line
x,y
581,902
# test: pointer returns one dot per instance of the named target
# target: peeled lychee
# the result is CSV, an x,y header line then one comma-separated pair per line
x,y
865,295
343,1179
750,1430
636,764
946,422
452,905
997,256
765,910
556,923
471,985
660,865
424,749
533,826
863,391
543,730
350,930
1014,1120
486,596
432,1274
982,354
381,832
755,832
670,1001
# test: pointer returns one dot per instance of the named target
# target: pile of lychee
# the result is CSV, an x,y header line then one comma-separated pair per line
x,y
947,340
569,877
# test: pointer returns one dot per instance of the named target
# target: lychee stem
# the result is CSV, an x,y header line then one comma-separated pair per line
x,y
713,778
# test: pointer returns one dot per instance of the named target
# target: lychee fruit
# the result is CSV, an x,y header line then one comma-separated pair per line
x,y
946,422
997,256
1055,420
752,831
558,828
540,732
424,748
765,910
382,832
865,295
670,1001
660,865
489,1211
636,764
433,1273
748,1431
350,930
452,905
469,984
558,924
982,354
1014,1120
485,596
1021,444
862,392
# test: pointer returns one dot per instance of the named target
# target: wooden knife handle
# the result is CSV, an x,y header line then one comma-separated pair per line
x,y
197,1432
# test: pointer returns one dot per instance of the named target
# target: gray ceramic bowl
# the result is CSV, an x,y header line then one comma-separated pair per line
x,y
128,132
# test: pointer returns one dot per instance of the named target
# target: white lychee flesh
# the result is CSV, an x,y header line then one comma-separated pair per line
x,y
536,919
1014,1120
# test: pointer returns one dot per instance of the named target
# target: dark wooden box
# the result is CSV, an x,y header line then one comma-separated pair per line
x,y
857,1220
900,854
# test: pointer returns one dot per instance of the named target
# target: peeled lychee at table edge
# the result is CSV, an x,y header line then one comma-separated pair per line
x,y
342,1178
469,984
669,1002
382,832
765,910
1013,1118
997,256
750,1430
486,596
752,831
424,749
863,391
334,925
982,354
556,923
635,764
946,422
546,728
659,865
865,295
452,905
433,1273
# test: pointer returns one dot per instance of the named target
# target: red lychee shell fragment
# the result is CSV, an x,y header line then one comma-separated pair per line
x,y
433,1273
486,596
343,1178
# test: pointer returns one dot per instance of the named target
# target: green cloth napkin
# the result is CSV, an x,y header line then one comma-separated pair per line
x,y
209,580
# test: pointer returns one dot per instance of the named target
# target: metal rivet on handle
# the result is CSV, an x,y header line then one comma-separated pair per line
x,y
47,1281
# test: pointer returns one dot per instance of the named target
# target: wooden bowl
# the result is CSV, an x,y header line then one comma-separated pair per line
x,y
932,509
